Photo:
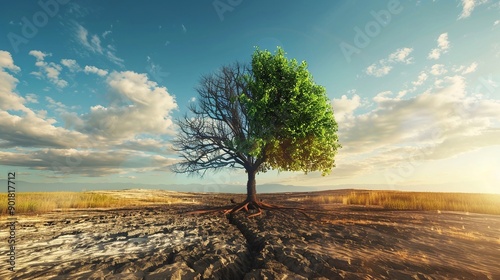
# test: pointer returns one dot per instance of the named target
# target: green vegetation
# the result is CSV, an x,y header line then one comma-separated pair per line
x,y
42,202
269,115
394,200
290,116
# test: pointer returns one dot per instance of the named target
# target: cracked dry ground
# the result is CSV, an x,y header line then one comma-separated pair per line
x,y
343,243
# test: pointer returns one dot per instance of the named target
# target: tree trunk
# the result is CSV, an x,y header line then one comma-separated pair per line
x,y
251,190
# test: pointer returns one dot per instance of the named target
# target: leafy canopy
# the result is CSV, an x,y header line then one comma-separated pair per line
x,y
290,117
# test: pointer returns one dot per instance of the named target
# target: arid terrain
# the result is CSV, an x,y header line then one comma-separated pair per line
x,y
161,241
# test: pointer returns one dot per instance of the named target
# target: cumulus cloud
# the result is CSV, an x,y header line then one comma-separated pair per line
x,y
438,69
6,62
50,71
422,77
468,6
462,69
71,64
86,163
9,100
442,122
107,140
443,46
26,128
95,70
148,145
378,70
387,96
38,54
472,68
401,55
31,98
138,106
384,66
344,107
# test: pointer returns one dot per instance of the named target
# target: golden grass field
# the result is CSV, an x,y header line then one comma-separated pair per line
x,y
42,202
149,234
396,200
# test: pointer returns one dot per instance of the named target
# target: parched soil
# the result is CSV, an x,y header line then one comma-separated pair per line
x,y
339,242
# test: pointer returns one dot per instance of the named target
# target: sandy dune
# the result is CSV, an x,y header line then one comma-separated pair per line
x,y
160,242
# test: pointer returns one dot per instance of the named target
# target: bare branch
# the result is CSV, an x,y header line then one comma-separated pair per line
x,y
214,135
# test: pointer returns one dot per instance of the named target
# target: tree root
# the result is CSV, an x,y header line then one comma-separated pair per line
x,y
254,208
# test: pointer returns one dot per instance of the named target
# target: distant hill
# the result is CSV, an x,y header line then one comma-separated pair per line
x,y
23,186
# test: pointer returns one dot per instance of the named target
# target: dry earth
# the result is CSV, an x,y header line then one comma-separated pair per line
x,y
342,242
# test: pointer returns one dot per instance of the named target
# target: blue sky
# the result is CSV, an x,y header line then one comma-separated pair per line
x,y
89,89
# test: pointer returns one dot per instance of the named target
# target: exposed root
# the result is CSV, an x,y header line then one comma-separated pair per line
x,y
254,208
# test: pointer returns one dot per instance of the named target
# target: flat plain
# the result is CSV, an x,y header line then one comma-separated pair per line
x,y
159,240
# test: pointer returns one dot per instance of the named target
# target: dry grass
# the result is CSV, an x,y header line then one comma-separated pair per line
x,y
42,202
394,200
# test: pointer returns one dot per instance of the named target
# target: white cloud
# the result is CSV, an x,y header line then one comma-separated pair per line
x,y
41,144
54,104
439,123
95,70
9,100
378,71
443,46
443,42
31,98
138,106
496,22
6,62
49,70
422,77
113,58
384,66
26,128
86,163
401,55
93,44
71,64
438,69
39,55
344,107
386,96
106,33
472,68
468,6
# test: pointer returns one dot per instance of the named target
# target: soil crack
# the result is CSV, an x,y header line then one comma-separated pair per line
x,y
254,245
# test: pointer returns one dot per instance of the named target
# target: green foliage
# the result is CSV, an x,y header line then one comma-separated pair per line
x,y
290,116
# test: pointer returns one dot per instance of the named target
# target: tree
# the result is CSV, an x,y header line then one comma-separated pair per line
x,y
268,116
